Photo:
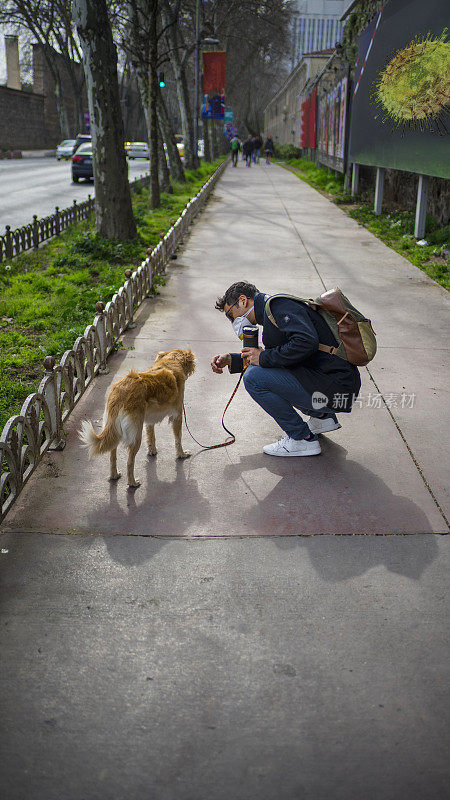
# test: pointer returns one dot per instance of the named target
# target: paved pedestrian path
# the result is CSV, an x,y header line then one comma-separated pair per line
x,y
380,474
211,635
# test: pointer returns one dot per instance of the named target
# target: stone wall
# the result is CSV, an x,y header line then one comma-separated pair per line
x,y
43,83
22,125
400,188
29,120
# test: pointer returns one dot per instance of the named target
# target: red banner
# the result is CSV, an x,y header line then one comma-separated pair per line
x,y
309,119
214,66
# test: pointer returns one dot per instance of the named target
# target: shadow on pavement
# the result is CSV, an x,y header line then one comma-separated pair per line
x,y
356,494
133,513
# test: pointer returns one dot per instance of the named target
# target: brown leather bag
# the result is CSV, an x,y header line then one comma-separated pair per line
x,y
355,337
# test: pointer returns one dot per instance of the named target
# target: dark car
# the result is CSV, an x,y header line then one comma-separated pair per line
x,y
82,163
82,138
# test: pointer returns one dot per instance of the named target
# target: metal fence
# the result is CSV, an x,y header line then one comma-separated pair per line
x,y
30,236
39,426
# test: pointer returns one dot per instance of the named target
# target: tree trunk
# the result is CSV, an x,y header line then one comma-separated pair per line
x,y
164,174
155,199
206,144
175,164
187,122
60,105
114,215
212,139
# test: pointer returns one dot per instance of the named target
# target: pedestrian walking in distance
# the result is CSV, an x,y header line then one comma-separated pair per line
x,y
235,146
248,150
268,149
257,144
291,372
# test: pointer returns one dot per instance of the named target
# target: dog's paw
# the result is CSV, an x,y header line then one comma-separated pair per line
x,y
184,454
151,453
115,477
134,485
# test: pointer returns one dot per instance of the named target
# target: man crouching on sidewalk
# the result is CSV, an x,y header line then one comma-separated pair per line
x,y
290,372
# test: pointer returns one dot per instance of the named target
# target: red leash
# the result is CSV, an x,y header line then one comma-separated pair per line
x,y
228,441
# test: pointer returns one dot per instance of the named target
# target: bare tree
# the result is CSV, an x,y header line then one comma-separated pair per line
x,y
180,51
114,215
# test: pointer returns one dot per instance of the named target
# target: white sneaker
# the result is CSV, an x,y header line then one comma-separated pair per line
x,y
325,425
293,447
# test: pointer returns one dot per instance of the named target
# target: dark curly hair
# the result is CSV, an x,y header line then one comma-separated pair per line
x,y
234,292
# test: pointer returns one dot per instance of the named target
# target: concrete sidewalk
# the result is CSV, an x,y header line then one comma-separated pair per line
x,y
209,636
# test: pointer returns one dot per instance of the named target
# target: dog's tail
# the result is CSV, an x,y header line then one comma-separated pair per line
x,y
99,443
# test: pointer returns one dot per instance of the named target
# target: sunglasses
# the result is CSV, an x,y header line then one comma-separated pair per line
x,y
227,313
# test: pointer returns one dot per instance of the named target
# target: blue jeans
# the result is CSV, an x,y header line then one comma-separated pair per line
x,y
279,393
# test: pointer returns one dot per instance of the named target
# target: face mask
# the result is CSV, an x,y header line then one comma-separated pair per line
x,y
239,323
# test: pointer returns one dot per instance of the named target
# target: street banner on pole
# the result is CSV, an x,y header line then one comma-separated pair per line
x,y
214,68
213,107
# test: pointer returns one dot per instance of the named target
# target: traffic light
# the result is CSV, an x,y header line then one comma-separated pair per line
x,y
162,82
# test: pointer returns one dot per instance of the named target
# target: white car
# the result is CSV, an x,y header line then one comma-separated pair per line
x,y
137,150
65,150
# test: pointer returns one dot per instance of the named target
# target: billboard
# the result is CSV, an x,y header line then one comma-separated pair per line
x,y
401,91
332,119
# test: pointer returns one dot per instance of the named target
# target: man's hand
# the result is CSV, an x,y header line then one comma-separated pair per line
x,y
252,355
219,362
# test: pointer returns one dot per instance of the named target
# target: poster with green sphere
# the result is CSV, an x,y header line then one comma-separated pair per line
x,y
401,92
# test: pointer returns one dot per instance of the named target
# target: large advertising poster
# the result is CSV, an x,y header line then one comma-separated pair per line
x,y
401,92
332,118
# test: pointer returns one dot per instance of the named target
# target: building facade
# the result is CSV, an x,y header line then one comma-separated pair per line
x,y
316,25
283,115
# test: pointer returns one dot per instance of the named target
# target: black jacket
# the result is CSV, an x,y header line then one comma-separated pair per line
x,y
294,345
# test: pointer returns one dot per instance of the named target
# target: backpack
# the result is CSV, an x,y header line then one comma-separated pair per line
x,y
234,145
353,332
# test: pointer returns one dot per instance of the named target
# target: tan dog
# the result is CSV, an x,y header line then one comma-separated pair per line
x,y
142,397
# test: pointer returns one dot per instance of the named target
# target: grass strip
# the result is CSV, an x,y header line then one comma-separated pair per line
x,y
394,227
48,296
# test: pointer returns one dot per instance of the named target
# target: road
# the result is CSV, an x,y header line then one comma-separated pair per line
x,y
37,185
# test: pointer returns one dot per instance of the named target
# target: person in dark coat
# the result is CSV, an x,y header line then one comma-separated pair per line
x,y
257,144
269,148
247,150
290,372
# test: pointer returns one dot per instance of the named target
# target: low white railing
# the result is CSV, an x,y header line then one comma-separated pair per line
x,y
39,426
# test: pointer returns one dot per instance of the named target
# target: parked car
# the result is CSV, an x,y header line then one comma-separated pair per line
x,y
82,138
180,144
65,149
82,163
137,150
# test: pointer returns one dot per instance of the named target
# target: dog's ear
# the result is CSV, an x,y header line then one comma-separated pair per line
x,y
189,361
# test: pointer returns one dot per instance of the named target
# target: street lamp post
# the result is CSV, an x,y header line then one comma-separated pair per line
x,y
209,41
197,69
